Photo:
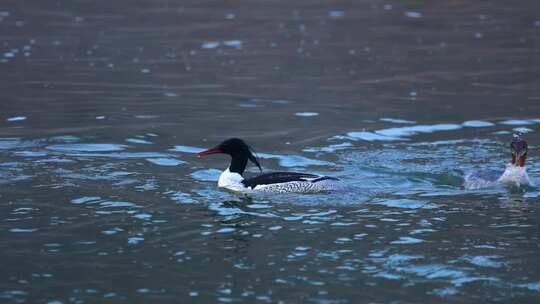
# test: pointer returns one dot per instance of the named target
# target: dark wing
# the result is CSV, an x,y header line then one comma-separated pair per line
x,y
283,177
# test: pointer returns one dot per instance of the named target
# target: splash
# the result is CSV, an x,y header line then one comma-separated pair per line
x,y
514,175
479,180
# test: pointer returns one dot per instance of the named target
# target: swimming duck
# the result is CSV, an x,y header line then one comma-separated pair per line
x,y
515,173
232,178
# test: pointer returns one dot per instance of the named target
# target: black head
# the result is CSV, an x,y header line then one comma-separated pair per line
x,y
519,149
239,151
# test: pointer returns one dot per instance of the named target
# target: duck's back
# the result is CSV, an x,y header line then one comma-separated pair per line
x,y
293,182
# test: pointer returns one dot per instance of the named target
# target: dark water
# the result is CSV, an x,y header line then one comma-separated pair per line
x,y
103,103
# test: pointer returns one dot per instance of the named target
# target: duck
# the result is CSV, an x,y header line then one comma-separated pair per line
x,y
515,173
233,178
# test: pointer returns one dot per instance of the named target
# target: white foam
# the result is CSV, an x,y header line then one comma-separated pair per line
x,y
187,149
407,204
477,124
86,200
233,43
413,130
397,120
16,118
406,240
135,240
306,114
517,122
180,197
370,136
31,153
229,211
138,141
143,216
210,45
117,204
146,116
532,286
65,139
170,94
112,231
259,206
485,261
523,130
226,230
412,14
400,259
336,14
23,230
165,161
330,148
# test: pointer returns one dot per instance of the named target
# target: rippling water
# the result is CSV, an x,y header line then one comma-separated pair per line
x,y
104,105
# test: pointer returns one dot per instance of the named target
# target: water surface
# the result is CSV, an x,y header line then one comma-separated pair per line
x,y
104,105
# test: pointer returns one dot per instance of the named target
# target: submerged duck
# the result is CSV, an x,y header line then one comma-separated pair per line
x,y
515,173
232,178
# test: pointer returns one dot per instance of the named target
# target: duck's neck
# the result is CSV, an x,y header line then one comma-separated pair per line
x,y
238,164
519,162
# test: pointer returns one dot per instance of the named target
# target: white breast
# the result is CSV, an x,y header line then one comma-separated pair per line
x,y
231,180
515,175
